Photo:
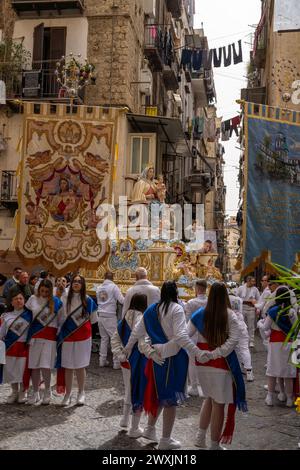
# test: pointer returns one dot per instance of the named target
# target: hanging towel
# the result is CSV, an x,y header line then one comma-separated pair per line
x,y
235,122
218,57
237,58
186,58
227,57
207,59
197,60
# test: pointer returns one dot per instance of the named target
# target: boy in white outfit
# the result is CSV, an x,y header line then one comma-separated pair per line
x,y
242,348
108,294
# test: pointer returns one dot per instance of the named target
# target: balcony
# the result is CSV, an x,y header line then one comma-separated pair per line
x,y
254,95
40,82
9,188
170,76
154,46
174,7
46,8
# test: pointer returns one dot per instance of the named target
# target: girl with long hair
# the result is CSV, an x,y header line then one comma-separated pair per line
x,y
276,327
74,342
47,311
221,378
135,365
166,376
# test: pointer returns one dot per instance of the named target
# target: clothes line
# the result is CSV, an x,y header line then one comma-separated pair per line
x,y
197,58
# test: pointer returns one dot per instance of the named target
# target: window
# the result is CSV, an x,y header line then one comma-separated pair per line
x,y
142,152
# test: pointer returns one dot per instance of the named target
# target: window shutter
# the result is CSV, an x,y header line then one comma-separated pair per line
x,y
38,46
57,44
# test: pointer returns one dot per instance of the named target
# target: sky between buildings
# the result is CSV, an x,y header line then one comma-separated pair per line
x,y
225,22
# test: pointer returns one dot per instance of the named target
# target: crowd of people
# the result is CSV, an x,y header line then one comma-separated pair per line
x,y
167,349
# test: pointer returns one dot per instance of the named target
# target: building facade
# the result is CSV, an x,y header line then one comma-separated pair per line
x,y
136,48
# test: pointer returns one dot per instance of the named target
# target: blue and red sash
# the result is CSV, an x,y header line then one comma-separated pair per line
x,y
137,363
166,383
232,364
72,325
282,320
39,326
18,349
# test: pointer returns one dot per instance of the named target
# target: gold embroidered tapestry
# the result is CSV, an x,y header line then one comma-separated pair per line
x,y
65,176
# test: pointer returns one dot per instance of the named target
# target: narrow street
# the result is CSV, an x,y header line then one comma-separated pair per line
x,y
96,425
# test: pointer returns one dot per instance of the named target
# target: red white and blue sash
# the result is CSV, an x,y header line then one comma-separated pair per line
x,y
14,347
77,327
283,322
40,325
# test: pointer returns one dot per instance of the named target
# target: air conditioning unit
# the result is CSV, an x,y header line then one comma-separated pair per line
x,y
149,8
146,82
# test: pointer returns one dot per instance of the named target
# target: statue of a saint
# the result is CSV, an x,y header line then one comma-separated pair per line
x,y
145,189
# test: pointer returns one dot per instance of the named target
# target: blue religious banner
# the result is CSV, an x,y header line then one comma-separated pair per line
x,y
272,182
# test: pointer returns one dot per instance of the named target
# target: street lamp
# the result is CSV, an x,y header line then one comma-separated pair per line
x,y
73,75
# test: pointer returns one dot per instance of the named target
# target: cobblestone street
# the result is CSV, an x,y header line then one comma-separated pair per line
x,y
96,425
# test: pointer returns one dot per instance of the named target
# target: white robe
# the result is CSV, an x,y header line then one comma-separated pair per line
x,y
14,368
42,352
77,354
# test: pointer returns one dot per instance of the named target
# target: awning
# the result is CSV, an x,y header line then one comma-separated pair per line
x,y
169,129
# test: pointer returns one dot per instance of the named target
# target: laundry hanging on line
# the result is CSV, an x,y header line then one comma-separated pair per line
x,y
229,126
196,58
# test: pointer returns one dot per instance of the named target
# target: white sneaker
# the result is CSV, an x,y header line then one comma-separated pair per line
x,y
13,398
289,402
252,345
193,391
135,433
116,366
150,433
168,444
124,423
35,399
269,400
80,399
66,401
281,397
103,363
47,397
250,376
200,441
219,447
22,397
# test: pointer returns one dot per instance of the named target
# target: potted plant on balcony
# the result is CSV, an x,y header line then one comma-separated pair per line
x,y
14,58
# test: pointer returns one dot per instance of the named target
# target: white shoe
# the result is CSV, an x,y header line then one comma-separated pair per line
x,y
219,447
289,402
47,397
135,433
168,444
250,376
193,391
116,366
103,363
80,399
13,398
269,400
150,433
282,397
66,401
252,345
22,397
35,399
200,441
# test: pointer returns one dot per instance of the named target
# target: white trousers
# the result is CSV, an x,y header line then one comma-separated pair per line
x,y
250,320
107,328
127,384
243,352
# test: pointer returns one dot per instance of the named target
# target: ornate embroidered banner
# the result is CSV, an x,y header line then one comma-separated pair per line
x,y
272,183
65,176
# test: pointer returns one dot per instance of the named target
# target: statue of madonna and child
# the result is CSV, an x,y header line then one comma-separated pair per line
x,y
150,191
